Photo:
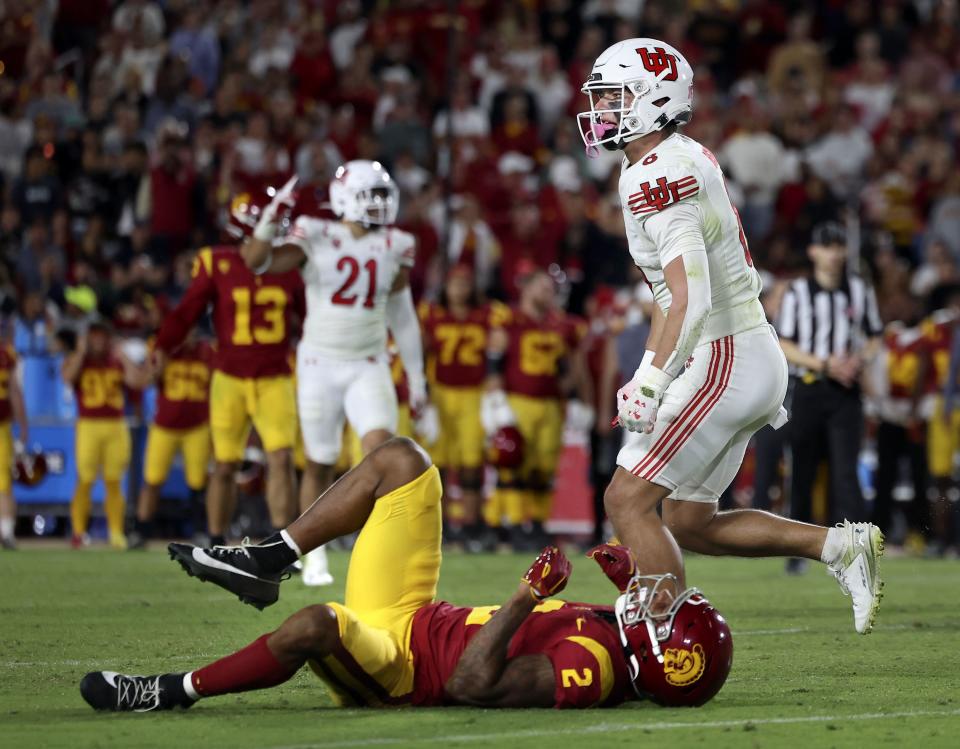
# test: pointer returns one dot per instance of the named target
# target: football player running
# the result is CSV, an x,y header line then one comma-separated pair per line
x,y
356,272
390,643
713,373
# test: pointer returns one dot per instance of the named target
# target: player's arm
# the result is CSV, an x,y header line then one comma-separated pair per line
x,y
201,293
484,675
19,409
73,362
264,257
135,376
404,325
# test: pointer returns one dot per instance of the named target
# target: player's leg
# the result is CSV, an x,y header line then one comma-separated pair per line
x,y
370,404
116,461
8,507
549,445
87,451
162,445
844,438
275,418
229,429
270,660
397,469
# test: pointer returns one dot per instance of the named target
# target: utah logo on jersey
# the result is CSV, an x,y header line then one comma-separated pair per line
x,y
651,198
656,60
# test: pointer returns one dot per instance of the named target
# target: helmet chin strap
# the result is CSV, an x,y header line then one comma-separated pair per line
x,y
654,642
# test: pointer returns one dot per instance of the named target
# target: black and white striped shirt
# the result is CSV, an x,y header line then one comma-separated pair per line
x,y
827,323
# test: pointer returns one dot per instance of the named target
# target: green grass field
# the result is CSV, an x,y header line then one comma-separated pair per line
x,y
801,677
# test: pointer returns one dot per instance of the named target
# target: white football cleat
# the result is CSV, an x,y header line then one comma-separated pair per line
x,y
316,572
858,571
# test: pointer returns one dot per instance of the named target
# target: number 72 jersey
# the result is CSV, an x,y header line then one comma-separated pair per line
x,y
348,282
254,317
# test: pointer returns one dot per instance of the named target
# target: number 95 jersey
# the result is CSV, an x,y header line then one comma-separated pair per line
x,y
348,281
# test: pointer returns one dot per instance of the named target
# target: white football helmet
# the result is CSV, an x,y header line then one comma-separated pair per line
x,y
637,86
363,191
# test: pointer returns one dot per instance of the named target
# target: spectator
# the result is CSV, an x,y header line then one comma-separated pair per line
x,y
30,326
173,192
195,41
840,156
38,193
41,266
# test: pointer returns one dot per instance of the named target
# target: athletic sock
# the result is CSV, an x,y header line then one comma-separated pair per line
x,y
113,507
254,667
6,528
80,508
143,527
275,553
173,690
833,547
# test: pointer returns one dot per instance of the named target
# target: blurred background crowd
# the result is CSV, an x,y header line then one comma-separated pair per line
x,y
127,127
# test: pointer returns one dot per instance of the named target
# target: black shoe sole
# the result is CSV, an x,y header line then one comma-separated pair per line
x,y
253,591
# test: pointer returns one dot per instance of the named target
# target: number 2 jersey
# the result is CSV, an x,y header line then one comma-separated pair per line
x,y
253,315
676,188
348,281
580,640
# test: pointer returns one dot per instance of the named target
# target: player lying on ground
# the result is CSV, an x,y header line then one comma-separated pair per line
x,y
390,643
713,373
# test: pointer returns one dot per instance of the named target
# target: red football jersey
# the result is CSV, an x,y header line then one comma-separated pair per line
x,y
8,365
253,315
99,388
904,349
536,349
937,334
456,348
183,395
580,640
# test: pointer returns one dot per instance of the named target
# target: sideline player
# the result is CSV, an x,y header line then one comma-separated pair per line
x,y
180,425
252,382
455,337
713,373
533,357
11,405
357,276
98,373
390,643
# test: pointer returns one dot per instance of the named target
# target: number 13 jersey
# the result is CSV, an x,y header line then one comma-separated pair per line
x,y
348,282
676,188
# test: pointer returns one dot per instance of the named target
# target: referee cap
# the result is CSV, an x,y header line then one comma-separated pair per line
x,y
828,233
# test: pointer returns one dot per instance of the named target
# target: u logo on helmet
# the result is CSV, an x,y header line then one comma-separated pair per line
x,y
682,667
656,60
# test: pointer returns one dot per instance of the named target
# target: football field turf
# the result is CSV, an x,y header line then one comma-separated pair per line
x,y
800,678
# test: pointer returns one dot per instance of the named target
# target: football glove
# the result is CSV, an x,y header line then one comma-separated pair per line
x,y
266,228
616,562
639,400
495,412
426,423
580,416
548,574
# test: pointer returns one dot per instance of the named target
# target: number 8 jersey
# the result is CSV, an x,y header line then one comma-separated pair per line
x,y
676,186
348,281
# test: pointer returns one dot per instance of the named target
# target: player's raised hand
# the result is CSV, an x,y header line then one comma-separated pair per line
x,y
617,563
548,574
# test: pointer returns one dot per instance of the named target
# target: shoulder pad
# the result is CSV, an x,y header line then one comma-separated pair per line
x,y
649,189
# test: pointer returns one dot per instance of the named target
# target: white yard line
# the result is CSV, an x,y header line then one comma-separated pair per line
x,y
492,737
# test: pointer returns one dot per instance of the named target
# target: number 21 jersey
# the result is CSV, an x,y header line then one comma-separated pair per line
x,y
348,281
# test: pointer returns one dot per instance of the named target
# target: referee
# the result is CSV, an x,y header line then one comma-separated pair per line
x,y
829,326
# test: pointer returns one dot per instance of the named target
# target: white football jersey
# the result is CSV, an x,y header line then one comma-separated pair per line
x,y
680,171
348,281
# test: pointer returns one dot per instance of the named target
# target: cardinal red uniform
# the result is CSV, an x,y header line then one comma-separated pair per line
x,y
580,640
8,366
102,437
253,317
181,422
943,435
457,368
536,354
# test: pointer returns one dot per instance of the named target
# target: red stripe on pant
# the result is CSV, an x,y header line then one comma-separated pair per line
x,y
706,408
712,370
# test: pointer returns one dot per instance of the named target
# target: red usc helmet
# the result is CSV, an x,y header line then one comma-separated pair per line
x,y
678,646
244,210
506,448
29,468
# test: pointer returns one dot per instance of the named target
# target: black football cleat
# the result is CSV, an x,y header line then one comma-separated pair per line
x,y
232,568
108,690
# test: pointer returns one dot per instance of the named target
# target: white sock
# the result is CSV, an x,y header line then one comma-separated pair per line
x,y
290,542
834,546
192,693
6,528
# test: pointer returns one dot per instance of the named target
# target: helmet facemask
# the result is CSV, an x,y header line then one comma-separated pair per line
x,y
379,205
651,602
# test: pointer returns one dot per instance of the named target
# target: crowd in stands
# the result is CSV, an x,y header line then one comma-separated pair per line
x,y
127,127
